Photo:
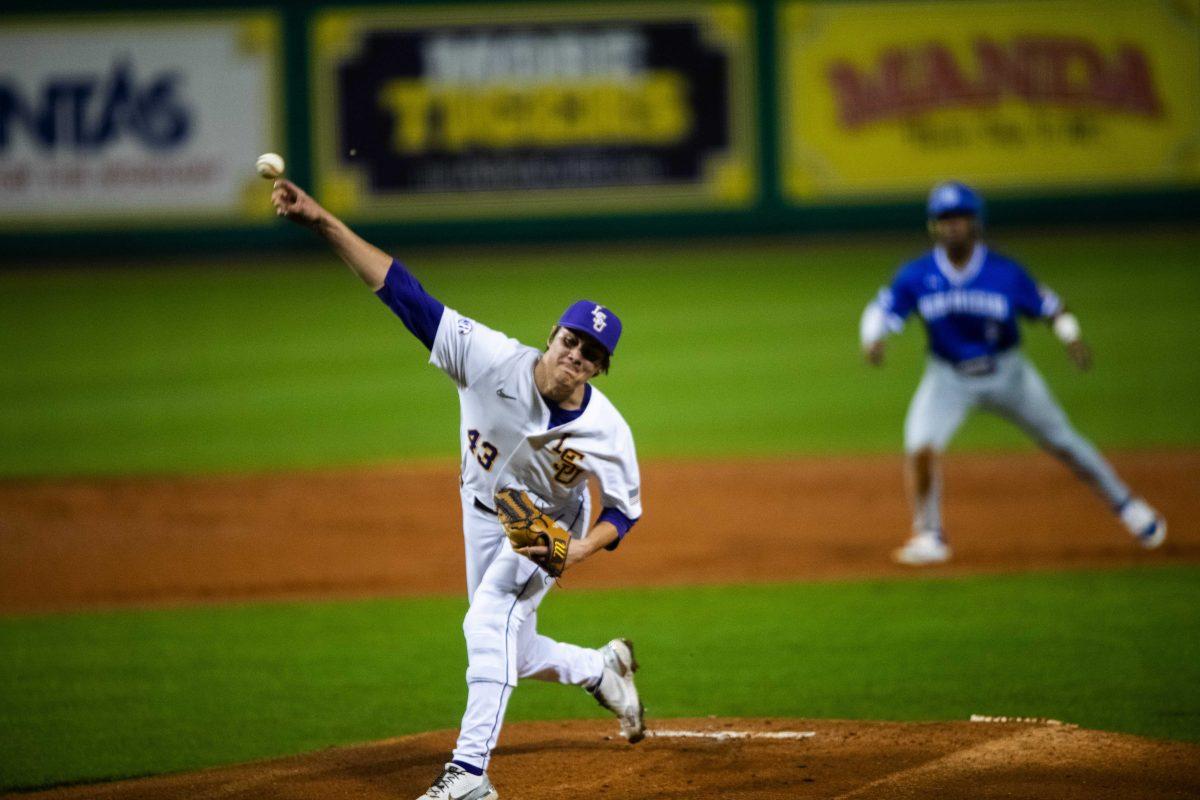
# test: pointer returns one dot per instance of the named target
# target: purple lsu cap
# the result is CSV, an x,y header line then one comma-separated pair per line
x,y
595,320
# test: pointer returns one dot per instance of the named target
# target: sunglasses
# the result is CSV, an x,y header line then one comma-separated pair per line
x,y
591,351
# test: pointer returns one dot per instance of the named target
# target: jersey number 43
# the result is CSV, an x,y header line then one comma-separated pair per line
x,y
485,452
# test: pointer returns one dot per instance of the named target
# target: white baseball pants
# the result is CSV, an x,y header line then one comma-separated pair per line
x,y
1015,391
503,644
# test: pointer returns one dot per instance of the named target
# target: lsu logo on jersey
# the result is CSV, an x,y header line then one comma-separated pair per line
x,y
599,318
567,468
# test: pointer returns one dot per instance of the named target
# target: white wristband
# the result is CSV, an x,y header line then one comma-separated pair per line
x,y
1066,328
873,325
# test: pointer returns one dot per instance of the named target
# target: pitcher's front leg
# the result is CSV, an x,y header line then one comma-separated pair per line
x,y
507,596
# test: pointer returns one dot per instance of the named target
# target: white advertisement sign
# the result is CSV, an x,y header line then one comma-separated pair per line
x,y
135,120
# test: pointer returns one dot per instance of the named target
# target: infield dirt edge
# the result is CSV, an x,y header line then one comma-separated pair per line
x,y
843,759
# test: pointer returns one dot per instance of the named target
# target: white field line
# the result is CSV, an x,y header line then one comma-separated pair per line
x,y
1034,720
722,736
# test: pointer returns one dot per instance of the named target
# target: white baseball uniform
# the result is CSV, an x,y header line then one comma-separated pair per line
x,y
507,441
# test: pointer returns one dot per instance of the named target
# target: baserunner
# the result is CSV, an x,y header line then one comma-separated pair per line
x,y
969,299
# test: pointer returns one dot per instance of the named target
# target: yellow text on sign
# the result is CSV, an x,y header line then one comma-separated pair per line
x,y
651,110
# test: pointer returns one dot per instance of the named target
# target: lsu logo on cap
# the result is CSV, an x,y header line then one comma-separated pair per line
x,y
599,318
591,318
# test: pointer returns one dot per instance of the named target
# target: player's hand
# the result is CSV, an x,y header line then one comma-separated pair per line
x,y
537,553
873,353
1080,355
294,203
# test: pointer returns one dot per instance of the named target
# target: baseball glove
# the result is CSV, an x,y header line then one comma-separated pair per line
x,y
526,525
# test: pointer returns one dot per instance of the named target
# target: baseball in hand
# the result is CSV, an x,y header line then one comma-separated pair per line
x,y
269,165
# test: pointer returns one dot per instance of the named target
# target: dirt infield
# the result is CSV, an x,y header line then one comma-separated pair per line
x,y
712,758
74,544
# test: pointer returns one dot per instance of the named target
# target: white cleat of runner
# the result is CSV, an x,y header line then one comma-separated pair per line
x,y
924,548
1146,524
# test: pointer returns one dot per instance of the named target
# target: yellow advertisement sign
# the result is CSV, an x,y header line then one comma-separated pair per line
x,y
884,98
508,111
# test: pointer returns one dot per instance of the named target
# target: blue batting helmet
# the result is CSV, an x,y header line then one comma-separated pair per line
x,y
953,198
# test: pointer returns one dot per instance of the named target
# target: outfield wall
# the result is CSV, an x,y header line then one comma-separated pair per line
x,y
137,128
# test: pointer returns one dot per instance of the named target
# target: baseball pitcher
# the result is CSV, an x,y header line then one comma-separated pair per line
x,y
969,298
533,429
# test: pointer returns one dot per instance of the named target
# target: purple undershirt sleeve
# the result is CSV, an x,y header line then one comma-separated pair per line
x,y
417,309
621,522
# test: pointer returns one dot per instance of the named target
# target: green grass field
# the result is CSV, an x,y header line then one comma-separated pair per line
x,y
731,348
125,693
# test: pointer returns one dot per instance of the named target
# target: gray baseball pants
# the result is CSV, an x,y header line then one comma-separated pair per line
x,y
1014,390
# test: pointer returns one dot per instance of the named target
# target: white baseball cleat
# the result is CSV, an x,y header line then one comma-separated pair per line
x,y
1146,524
458,784
926,547
616,691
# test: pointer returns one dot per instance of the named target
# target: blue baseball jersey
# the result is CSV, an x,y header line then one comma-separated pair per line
x,y
968,313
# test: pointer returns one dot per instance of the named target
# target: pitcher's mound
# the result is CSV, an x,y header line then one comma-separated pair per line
x,y
722,758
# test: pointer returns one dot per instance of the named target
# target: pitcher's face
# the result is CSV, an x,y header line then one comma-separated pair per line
x,y
572,359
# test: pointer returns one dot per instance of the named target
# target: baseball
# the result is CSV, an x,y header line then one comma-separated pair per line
x,y
269,165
